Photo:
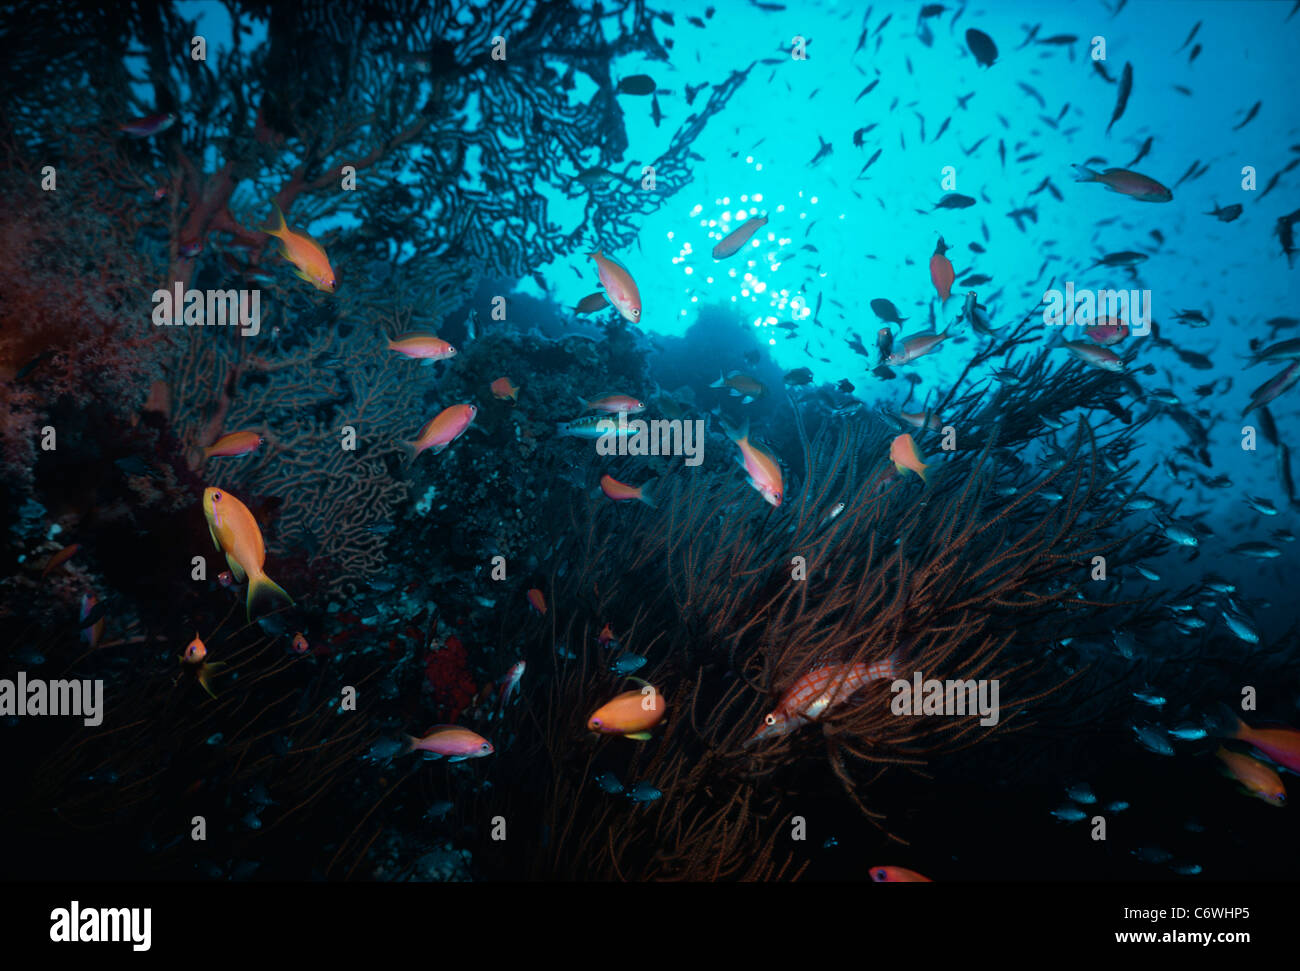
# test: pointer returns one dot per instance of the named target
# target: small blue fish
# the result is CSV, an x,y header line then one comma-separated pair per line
x,y
1152,740
608,782
1149,696
251,821
439,809
627,663
1187,732
1118,806
259,796
1152,854
830,843
216,739
1186,869
383,750
644,792
1082,794
1069,814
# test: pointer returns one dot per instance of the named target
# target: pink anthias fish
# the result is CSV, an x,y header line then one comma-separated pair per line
x,y
509,685
145,127
1273,387
817,692
761,466
1094,355
445,428
619,286
737,238
451,742
1135,185
918,345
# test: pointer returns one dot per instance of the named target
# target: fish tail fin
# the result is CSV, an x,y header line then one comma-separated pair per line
x,y
647,494
1084,174
277,225
410,451
206,671
586,405
721,382
264,595
1225,723
408,744
736,433
595,255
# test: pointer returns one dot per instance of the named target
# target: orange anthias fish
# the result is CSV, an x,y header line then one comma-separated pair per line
x,y
737,238
613,403
91,632
502,389
235,533
299,644
817,692
1256,778
447,426
304,253
631,714
454,743
1132,184
423,346
1281,744
941,272
59,558
236,443
903,453
897,874
537,600
606,636
619,286
622,492
195,655
762,467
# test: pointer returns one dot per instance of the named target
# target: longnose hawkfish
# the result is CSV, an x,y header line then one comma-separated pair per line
x,y
818,691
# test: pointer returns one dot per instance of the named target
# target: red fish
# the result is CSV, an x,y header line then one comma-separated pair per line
x,y
150,125
1107,331
1280,743
447,426
59,558
809,698
737,238
897,874
941,272
537,601
622,492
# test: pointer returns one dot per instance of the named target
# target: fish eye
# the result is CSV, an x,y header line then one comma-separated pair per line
x,y
216,497
770,720
486,746
595,723
636,313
